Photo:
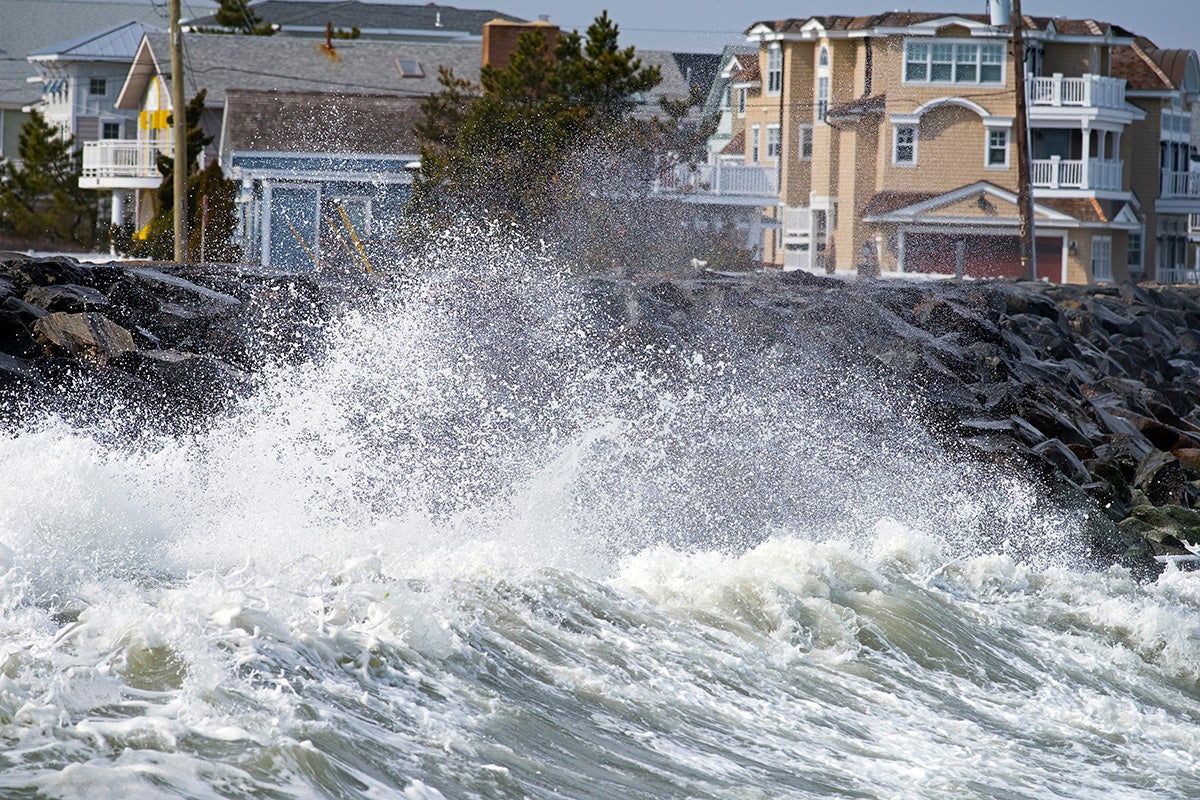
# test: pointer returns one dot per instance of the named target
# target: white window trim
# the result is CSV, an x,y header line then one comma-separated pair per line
x,y
774,51
896,145
822,72
1102,243
755,145
1139,265
774,126
930,41
987,148
805,130
741,103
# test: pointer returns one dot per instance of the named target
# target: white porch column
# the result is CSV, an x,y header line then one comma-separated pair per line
x,y
900,252
1087,156
118,207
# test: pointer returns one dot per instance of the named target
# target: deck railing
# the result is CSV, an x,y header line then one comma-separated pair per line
x,y
1181,184
719,179
1089,91
123,158
1061,173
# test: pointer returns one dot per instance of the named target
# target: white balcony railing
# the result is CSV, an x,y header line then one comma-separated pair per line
x,y
720,180
1181,184
123,158
1177,274
1089,91
1061,173
1194,225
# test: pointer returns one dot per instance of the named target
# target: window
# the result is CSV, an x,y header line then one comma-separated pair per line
x,y
823,58
997,149
906,145
358,211
741,102
953,62
725,98
774,69
409,68
822,98
98,86
1134,254
1102,258
111,130
754,129
805,149
772,141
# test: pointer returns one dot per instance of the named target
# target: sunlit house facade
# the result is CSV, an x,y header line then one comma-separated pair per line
x,y
890,141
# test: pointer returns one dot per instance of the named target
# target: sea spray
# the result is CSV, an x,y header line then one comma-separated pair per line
x,y
488,544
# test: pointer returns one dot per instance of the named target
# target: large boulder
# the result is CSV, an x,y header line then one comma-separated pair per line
x,y
89,335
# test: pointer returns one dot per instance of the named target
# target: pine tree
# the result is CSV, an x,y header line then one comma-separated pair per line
x,y
498,149
40,199
239,17
159,241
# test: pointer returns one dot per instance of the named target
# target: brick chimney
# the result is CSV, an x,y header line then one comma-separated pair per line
x,y
500,39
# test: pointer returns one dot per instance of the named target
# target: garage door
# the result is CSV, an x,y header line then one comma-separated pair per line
x,y
983,256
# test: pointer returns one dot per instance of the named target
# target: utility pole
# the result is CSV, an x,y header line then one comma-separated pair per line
x,y
1025,231
179,115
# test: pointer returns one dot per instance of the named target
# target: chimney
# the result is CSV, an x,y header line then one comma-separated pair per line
x,y
500,39
1000,12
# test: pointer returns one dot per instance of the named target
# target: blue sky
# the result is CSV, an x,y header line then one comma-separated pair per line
x,y
704,25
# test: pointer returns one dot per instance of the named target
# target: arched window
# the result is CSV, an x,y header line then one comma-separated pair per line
x,y
823,58
822,100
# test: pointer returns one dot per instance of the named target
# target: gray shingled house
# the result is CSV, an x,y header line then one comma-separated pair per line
x,y
304,127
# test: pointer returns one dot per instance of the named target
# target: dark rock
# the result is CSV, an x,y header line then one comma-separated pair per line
x,y
183,292
89,335
1160,477
15,337
66,297
26,311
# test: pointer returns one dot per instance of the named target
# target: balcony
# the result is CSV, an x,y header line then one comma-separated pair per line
x,y
1181,184
1095,174
1089,91
1194,228
1177,274
718,183
122,163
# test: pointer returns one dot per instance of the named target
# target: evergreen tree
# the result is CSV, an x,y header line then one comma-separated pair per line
x,y
239,17
40,199
218,223
498,149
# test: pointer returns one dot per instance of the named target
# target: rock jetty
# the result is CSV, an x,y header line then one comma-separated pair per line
x,y
81,339
1093,392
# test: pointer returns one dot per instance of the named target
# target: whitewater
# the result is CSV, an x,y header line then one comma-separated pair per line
x,y
487,545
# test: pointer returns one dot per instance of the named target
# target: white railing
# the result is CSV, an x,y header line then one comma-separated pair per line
x,y
1089,91
1060,173
797,222
123,158
1181,184
719,179
1177,274
1194,226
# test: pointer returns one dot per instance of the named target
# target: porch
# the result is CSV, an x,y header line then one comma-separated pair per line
x,y
123,163
1088,91
719,183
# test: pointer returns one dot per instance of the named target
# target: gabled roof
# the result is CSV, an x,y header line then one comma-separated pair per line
x,y
1147,68
118,44
319,122
736,146
27,25
219,62
430,19
908,207
908,19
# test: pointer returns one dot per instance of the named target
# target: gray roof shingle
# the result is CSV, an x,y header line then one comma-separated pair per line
x,y
304,15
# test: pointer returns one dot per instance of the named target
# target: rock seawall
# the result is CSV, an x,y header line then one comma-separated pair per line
x,y
1091,392
81,339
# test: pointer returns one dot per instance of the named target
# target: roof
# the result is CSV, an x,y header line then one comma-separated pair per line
x,y
44,22
220,62
674,84
736,146
904,19
118,43
1085,209
751,73
432,20
1142,66
865,105
887,202
319,122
